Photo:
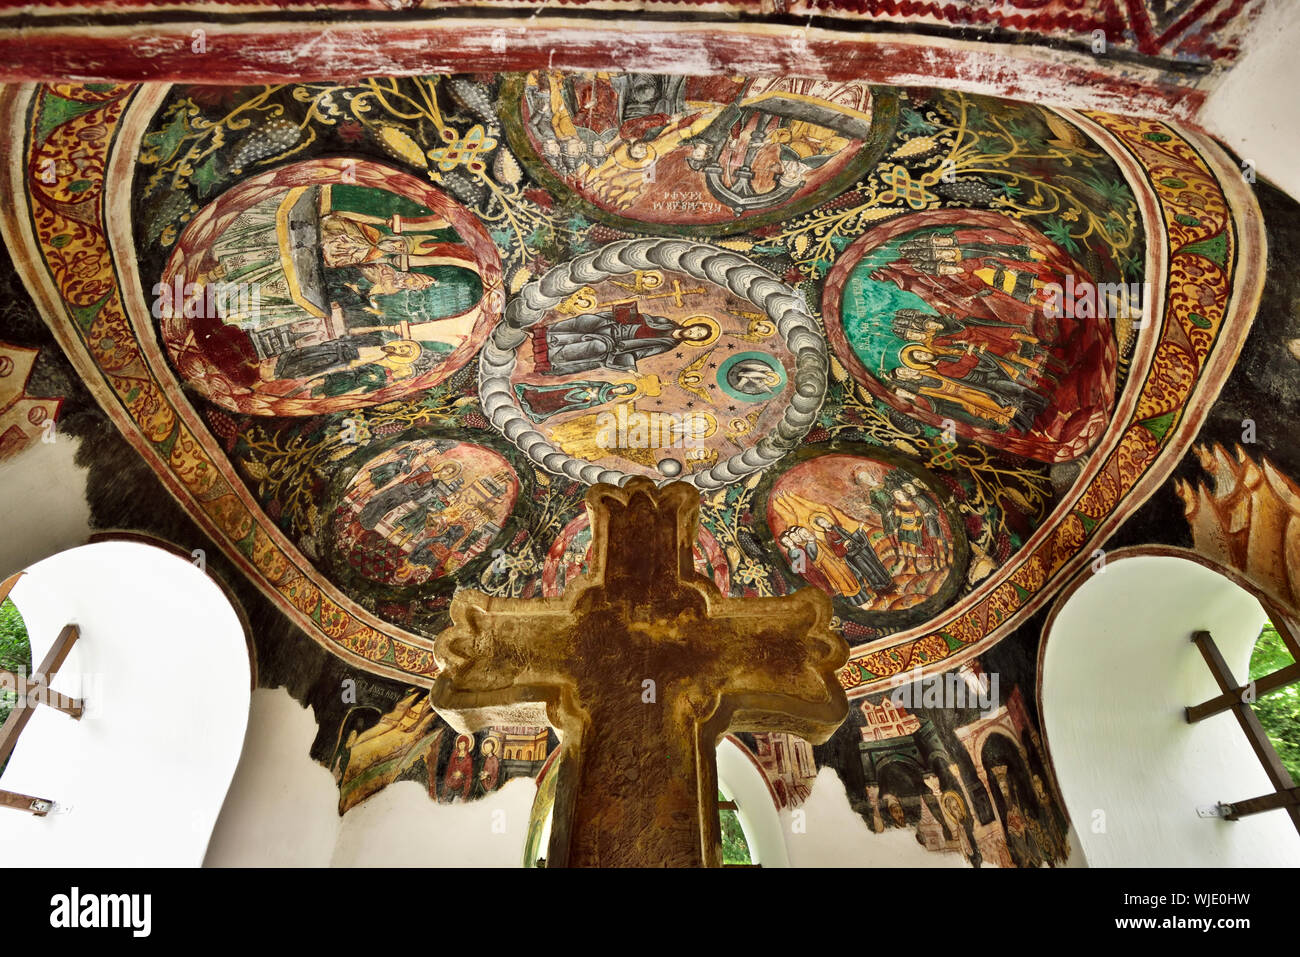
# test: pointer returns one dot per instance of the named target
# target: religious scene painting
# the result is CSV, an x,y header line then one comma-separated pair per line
x,y
478,765
654,372
712,154
874,535
360,293
970,781
374,748
448,257
422,510
379,337
949,317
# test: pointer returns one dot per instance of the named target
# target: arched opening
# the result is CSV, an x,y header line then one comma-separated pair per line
x,y
746,804
160,668
1119,671
15,653
1279,708
735,844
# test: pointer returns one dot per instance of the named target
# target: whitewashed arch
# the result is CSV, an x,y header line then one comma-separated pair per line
x,y
741,780
1117,669
163,665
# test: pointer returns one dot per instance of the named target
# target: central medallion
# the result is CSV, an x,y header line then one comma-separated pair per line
x,y
655,357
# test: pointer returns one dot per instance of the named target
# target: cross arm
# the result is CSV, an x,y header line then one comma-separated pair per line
x,y
500,663
782,662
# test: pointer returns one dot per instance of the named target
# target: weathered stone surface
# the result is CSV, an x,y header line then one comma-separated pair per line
x,y
641,667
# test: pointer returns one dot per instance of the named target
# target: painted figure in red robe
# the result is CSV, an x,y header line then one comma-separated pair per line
x,y
991,355
458,778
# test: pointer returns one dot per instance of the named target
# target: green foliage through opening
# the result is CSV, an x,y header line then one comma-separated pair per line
x,y
1278,711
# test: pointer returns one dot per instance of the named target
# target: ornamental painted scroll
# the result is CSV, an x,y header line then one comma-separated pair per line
x,y
655,357
326,285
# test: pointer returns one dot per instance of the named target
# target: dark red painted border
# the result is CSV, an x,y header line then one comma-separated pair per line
x,y
274,53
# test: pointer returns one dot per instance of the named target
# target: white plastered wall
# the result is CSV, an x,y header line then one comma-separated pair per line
x,y
282,810
1119,669
827,832
1254,110
162,665
42,503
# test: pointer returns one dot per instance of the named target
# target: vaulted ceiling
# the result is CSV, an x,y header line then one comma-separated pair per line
x,y
376,295
377,337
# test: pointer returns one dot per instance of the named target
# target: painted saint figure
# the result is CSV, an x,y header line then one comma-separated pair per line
x,y
458,778
489,773
423,486
856,550
870,495
382,253
801,552
327,363
935,540
982,271
610,340
836,574
895,809
382,474
753,377
910,524
982,397
1020,353
954,809
541,402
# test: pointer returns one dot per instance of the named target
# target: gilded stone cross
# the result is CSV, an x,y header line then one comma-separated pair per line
x,y
641,667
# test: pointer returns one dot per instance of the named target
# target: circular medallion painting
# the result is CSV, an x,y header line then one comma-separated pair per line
x,y
875,533
960,318
656,357
567,558
422,510
711,154
326,285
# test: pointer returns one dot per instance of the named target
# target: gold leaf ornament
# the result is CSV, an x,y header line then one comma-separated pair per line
x,y
877,213
400,145
916,146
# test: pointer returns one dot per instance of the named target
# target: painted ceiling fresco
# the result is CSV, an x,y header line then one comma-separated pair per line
x,y
920,349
